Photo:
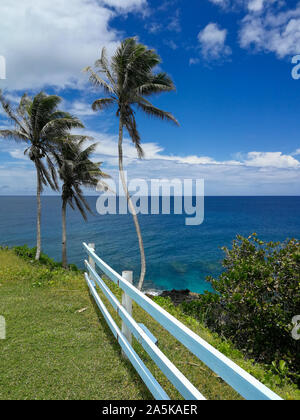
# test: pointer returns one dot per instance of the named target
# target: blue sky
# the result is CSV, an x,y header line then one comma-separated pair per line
x,y
231,60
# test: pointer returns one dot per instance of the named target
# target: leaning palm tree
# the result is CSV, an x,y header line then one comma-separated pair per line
x,y
128,79
38,123
76,170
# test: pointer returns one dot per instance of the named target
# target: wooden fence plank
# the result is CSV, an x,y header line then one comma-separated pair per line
x,y
149,380
181,383
240,380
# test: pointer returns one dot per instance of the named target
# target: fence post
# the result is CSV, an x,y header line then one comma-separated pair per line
x,y
127,304
92,262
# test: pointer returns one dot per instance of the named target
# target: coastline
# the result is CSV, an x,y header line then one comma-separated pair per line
x,y
177,296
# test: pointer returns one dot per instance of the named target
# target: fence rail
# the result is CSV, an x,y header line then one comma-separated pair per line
x,y
245,384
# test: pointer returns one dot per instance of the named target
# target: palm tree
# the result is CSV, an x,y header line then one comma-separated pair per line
x,y
76,170
39,123
128,79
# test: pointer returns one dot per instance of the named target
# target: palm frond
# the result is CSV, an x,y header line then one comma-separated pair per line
x,y
16,135
56,128
130,124
86,153
50,103
97,81
24,106
103,65
156,84
53,173
10,112
44,174
101,104
59,114
35,111
76,170
152,111
80,208
132,79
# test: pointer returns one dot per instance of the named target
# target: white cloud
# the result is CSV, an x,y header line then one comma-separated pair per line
x,y
222,3
269,25
174,24
79,108
171,44
212,41
17,180
51,41
272,31
193,61
170,23
252,174
108,149
256,5
125,4
297,153
154,27
251,5
273,160
18,154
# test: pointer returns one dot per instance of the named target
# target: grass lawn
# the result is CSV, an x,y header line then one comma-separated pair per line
x,y
53,350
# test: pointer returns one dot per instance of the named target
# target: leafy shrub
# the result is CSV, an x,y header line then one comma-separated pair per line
x,y
256,298
29,255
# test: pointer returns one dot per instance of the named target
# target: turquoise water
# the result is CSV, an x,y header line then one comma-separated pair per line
x,y
178,256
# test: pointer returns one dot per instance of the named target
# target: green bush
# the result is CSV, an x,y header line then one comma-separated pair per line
x,y
256,298
29,255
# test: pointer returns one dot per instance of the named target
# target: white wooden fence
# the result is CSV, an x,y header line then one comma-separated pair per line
x,y
245,384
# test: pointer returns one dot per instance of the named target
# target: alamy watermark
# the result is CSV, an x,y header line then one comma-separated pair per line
x,y
2,328
296,329
296,69
157,196
2,68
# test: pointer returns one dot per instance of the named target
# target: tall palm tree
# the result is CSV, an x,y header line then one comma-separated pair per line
x,y
129,79
76,170
39,123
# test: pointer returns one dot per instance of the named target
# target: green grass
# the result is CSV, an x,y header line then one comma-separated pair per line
x,y
53,351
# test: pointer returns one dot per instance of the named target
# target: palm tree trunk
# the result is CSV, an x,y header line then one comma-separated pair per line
x,y
38,224
64,236
132,209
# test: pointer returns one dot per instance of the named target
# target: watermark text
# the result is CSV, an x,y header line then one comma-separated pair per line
x,y
296,69
296,329
157,196
2,328
2,68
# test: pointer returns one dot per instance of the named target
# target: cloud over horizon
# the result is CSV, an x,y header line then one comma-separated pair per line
x,y
251,173
49,45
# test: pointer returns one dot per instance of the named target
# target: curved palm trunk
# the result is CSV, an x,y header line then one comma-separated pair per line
x,y
38,224
64,236
132,209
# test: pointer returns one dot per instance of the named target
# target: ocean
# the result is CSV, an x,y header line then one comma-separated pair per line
x,y
178,256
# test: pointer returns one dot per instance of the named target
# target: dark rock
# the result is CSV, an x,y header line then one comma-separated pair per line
x,y
180,296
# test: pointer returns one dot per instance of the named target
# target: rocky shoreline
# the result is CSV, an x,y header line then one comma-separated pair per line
x,y
179,296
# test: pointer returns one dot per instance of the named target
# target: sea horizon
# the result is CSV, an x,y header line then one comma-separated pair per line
x,y
178,256
97,195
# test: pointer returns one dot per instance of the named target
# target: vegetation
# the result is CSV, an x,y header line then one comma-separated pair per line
x,y
76,170
53,326
128,80
257,297
40,125
28,254
58,345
